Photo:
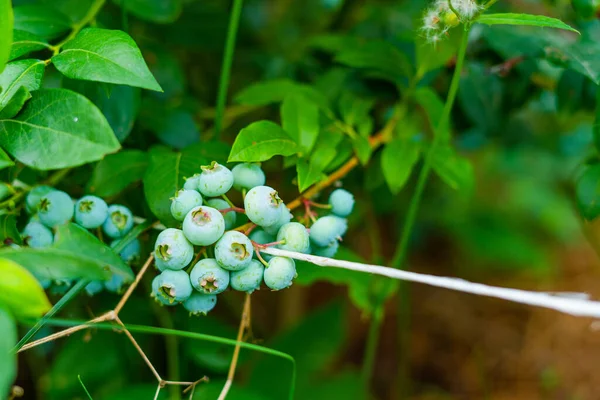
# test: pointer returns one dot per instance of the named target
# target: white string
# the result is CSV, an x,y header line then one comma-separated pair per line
x,y
569,303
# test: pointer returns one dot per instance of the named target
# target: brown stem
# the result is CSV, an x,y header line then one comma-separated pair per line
x,y
244,323
236,209
132,287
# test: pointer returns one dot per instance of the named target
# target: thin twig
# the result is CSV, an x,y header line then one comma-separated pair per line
x,y
574,304
244,323
132,287
139,349
193,385
103,318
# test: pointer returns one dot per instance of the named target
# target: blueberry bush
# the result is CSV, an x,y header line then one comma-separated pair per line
x,y
244,186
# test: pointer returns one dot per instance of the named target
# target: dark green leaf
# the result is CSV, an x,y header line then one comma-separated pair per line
x,y
21,292
379,56
587,191
8,230
355,109
8,359
159,11
16,103
480,96
117,171
25,43
523,19
213,356
24,73
119,103
313,349
40,140
431,57
166,174
105,56
275,91
44,21
174,126
6,35
260,141
300,119
596,127
397,161
456,171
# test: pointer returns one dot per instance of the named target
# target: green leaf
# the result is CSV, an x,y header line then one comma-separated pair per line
x,y
21,292
523,19
362,148
456,171
173,125
431,57
587,192
300,119
380,56
105,56
430,101
44,21
260,141
8,230
307,174
8,359
75,254
596,126
6,35
480,95
40,140
25,43
117,171
120,104
166,174
275,91
311,171
24,73
355,109
397,161
16,103
159,11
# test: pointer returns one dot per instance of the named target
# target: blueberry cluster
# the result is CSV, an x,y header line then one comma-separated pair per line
x,y
232,255
50,207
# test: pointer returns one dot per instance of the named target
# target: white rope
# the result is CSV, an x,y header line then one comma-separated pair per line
x,y
569,303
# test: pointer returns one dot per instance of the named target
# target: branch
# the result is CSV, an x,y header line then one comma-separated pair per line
x,y
575,304
244,323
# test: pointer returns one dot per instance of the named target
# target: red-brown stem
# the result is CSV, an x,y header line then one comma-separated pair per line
x,y
236,209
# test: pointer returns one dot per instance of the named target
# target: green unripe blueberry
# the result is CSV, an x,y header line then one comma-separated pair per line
x,y
249,278
327,229
192,183
263,206
200,304
285,216
246,176
171,287
234,251
56,208
295,237
183,202
280,273
173,250
37,235
208,277
94,287
327,251
215,180
119,221
90,212
115,283
259,236
342,202
203,225
131,252
230,217
32,201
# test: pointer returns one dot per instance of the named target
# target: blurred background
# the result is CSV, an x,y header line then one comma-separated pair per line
x,y
523,118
